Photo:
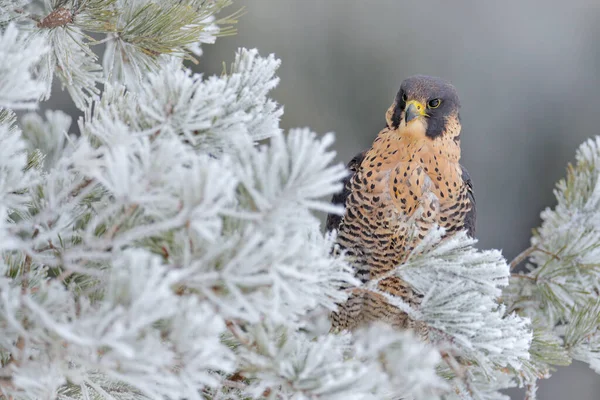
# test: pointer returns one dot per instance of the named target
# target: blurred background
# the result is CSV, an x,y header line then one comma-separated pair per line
x,y
527,74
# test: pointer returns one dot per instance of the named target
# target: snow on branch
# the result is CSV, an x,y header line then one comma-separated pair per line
x,y
460,287
209,113
163,253
125,202
20,55
374,363
291,172
464,320
559,288
74,62
10,11
13,162
49,136
211,110
141,335
140,36
145,29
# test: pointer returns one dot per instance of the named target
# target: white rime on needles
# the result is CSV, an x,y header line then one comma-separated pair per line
x,y
559,289
164,253
20,87
461,286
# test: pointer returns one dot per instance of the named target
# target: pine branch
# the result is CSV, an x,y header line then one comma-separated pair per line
x,y
162,253
559,289
20,86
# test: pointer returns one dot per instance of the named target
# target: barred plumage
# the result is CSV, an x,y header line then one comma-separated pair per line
x,y
407,182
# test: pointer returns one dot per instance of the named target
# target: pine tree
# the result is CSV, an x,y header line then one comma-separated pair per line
x,y
164,253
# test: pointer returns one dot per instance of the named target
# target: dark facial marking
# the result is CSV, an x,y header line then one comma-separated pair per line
x,y
436,121
400,105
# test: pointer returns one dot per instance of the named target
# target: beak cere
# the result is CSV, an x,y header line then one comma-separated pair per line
x,y
413,110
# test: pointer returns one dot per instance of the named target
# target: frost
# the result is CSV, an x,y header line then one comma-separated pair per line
x,y
166,253
20,56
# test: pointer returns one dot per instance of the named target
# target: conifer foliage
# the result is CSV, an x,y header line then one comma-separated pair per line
x,y
164,253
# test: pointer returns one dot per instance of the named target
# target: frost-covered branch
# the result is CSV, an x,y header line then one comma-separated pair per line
x,y
458,280
164,253
559,288
371,364
211,113
211,238
484,345
140,35
20,84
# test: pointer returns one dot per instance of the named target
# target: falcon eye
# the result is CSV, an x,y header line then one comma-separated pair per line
x,y
435,103
404,97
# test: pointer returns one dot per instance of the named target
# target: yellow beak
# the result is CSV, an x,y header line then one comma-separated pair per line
x,y
414,109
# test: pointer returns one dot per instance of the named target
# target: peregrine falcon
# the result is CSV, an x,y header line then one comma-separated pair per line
x,y
407,182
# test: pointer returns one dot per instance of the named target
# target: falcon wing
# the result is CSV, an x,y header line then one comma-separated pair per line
x,y
333,220
471,216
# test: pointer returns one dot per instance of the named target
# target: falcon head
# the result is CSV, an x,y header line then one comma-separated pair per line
x,y
425,106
